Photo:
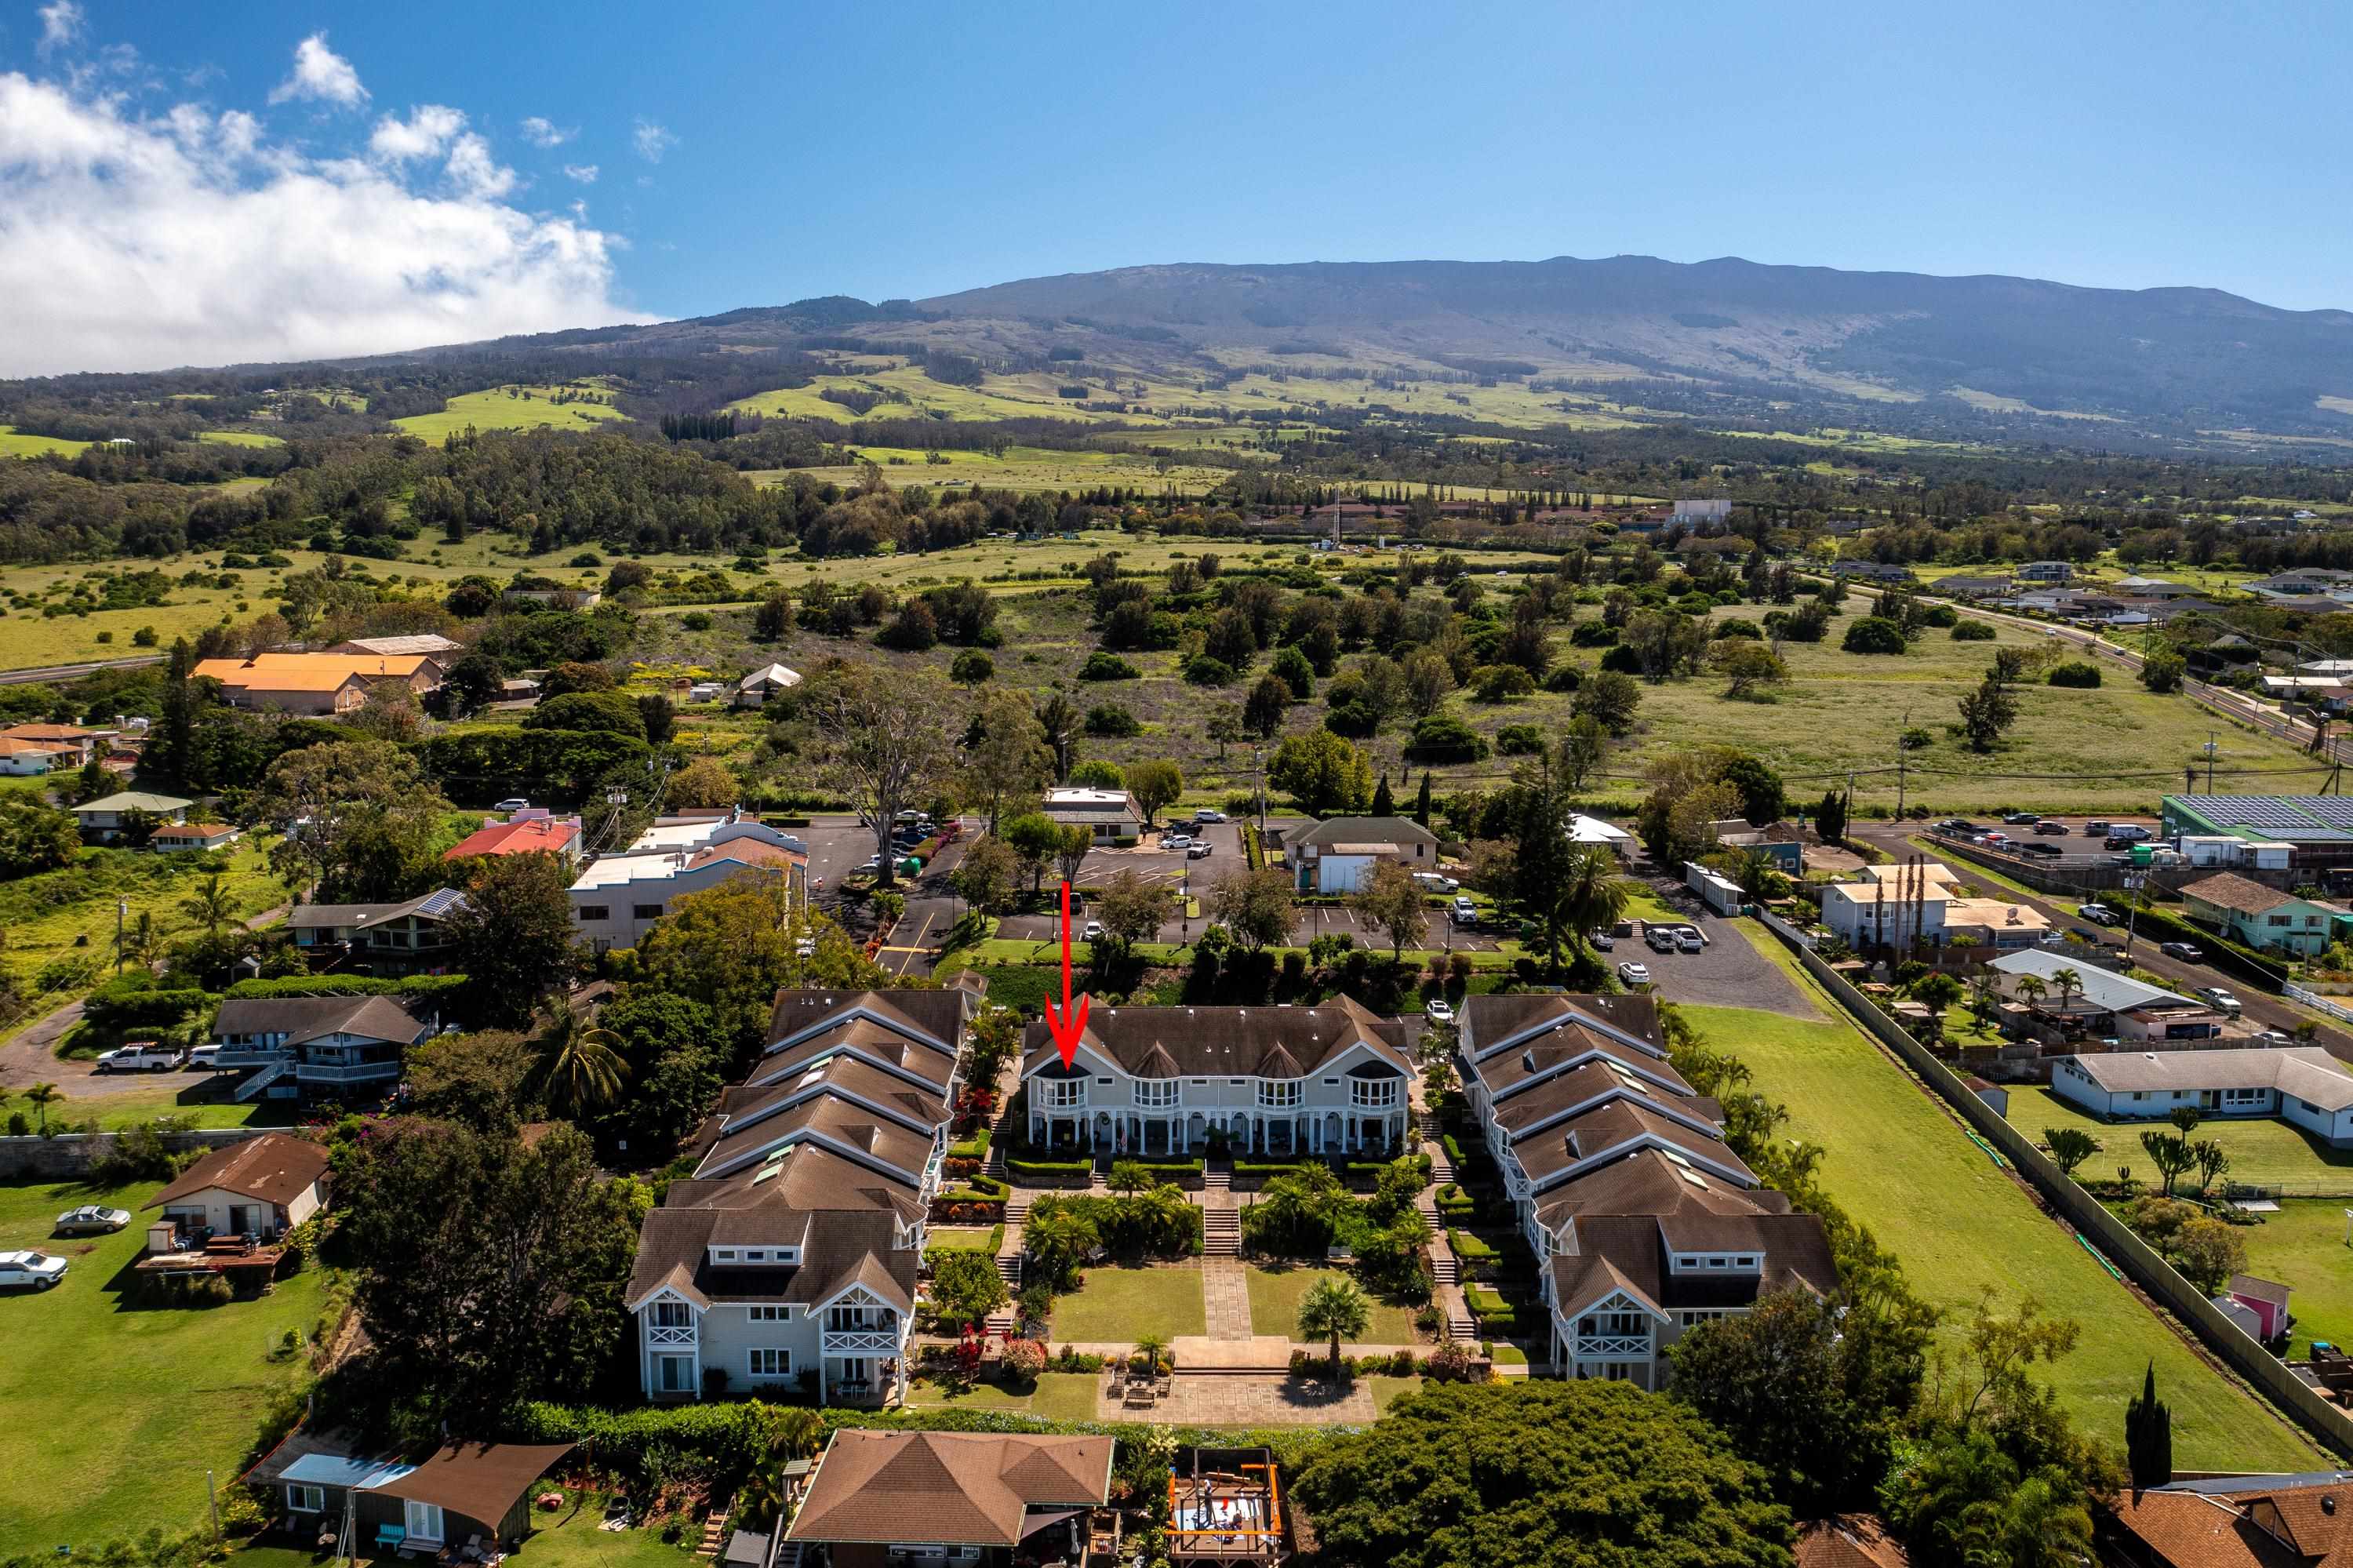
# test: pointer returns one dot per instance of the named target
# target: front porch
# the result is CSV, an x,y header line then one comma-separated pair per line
x,y
1117,1132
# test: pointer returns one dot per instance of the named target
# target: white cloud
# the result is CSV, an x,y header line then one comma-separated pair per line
x,y
191,239
542,132
585,173
424,135
652,141
60,25
323,74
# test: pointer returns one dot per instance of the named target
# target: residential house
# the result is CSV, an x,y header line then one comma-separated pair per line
x,y
1690,510
2232,1522
1338,853
790,1258
1332,1078
2301,582
2264,918
317,1045
2302,1086
82,744
616,900
1904,905
442,650
923,1499
1971,587
471,1499
1585,829
1644,1220
763,683
525,832
1109,814
2310,603
1871,571
687,832
106,819
262,1187
194,836
1848,1541
382,939
317,685
540,590
24,759
2137,587
2101,1002
2046,572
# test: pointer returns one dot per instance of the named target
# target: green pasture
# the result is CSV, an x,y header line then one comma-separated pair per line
x,y
513,407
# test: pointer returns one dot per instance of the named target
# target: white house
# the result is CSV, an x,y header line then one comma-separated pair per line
x,y
104,819
1338,853
327,1045
1330,1078
24,758
615,901
1925,903
264,1186
1693,510
1109,814
1585,829
2301,1085
763,683
789,1259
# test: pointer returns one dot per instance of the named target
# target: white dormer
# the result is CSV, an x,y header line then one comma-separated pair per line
x,y
1716,1262
746,1256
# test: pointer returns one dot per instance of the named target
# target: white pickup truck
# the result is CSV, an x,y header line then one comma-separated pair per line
x,y
140,1056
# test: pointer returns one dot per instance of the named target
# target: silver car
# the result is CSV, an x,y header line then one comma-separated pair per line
x,y
90,1220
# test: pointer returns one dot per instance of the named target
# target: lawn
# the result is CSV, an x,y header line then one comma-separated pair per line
x,y
960,1238
1276,1291
511,408
1122,1302
1903,1168
14,445
2303,1247
2264,1152
568,1538
1058,1396
113,1111
115,1413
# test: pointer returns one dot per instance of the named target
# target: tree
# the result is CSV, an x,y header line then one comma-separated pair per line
x,y
1224,726
1421,801
1297,673
488,1271
1830,817
2148,1435
1063,725
1747,667
1263,709
2171,1153
1132,909
1389,899
2208,1252
41,1096
2162,672
732,948
1007,761
984,877
1073,841
35,838
1936,992
887,737
1515,1472
1962,1502
1874,634
367,820
1334,1309
2213,1162
473,684
1610,699
966,1285
1428,681
1583,748
1154,783
512,937
1254,907
1034,838
2069,1146
1988,711
772,621
972,668
705,783
480,1080
1323,774
1058,1239
581,1066
211,906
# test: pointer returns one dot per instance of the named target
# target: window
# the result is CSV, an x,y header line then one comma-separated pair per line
x,y
1156,1095
725,1254
1614,1325
1281,1095
1064,1094
2279,919
596,912
1373,1093
301,1498
1105,1082
671,1314
765,1314
645,911
770,1361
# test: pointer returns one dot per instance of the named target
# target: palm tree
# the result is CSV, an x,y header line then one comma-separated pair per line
x,y
1335,1310
210,905
583,1068
1594,891
2069,981
1152,1349
141,944
44,1096
2030,988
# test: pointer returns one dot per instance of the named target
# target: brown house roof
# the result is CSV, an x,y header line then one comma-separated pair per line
x,y
2227,890
1629,1253
963,1489
272,1169
1241,1042
1848,1541
301,1018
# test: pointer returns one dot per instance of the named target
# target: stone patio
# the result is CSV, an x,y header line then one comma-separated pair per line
x,y
1239,1399
1225,1296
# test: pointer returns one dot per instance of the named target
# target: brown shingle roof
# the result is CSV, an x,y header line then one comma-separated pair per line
x,y
2190,1529
963,1489
1252,1042
300,1018
480,1480
2228,890
275,1167
1634,1248
1596,1132
1848,1541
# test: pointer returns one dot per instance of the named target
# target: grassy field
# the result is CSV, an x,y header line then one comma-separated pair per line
x,y
1019,468
1901,1167
240,437
511,408
917,395
1121,1303
115,1411
2263,1152
1057,1396
1276,1292
14,445
2303,1247
566,1540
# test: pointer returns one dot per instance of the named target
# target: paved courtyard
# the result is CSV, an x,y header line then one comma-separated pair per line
x,y
1242,1399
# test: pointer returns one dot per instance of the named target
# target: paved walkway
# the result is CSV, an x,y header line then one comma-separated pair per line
x,y
1243,1401
1225,1297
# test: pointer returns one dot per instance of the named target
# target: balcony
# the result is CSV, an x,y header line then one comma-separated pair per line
x,y
251,1055
1612,1345
358,1073
672,1338
876,1342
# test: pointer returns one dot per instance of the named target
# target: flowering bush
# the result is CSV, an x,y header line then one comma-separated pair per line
x,y
1024,1358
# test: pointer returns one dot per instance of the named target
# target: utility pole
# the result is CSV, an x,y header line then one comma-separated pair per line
x,y
1903,761
2210,762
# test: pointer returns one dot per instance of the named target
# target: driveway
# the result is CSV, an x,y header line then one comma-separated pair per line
x,y
1728,973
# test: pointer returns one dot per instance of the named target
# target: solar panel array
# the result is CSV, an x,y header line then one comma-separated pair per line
x,y
2265,812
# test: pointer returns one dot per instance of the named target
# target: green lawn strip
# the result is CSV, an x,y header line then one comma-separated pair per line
x,y
959,1238
1901,1167
1058,1396
566,1539
114,1112
1276,1291
1387,1389
1123,1302
2263,1151
2303,1247
115,1411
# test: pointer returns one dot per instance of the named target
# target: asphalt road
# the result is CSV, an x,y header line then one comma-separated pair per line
x,y
2260,1009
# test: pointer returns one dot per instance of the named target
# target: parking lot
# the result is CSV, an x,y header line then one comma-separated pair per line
x,y
1728,973
1152,862
837,845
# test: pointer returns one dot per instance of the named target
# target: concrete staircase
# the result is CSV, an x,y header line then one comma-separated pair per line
x,y
1221,1232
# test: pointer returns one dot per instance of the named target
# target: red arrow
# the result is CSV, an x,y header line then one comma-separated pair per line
x,y
1071,1022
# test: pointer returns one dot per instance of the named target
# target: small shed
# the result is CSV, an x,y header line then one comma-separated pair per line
x,y
1723,897
2266,1298
1993,1094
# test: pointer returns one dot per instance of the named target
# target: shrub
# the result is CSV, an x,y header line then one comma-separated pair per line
x,y
1622,660
1441,738
1204,671
1500,683
695,620
1973,631
1519,739
1736,626
1941,616
2076,672
1593,634
1103,666
1874,634
1111,719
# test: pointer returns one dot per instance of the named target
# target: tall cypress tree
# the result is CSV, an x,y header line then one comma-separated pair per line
x,y
1421,805
2148,1436
1383,806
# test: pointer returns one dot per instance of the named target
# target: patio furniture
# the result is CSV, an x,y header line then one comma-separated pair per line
x,y
395,1536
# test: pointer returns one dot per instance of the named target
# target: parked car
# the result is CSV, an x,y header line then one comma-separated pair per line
x,y
90,1220
1602,941
2051,828
870,865
1197,849
1688,939
1431,881
2187,952
1208,815
1659,939
2099,915
2028,846
2085,934
512,804
1437,1011
202,1058
1175,840
2131,832
1632,974
1465,912
2271,1037
2022,819
140,1056
2220,1000
1996,839
38,1269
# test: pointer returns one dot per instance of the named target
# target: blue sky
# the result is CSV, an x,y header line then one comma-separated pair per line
x,y
906,150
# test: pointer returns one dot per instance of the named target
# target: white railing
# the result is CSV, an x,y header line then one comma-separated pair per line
x,y
364,1072
657,1335
1614,1345
860,1342
251,1055
2313,999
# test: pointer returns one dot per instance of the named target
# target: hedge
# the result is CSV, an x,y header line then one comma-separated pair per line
x,y
973,1148
132,1001
1050,1167
347,985
977,1190
1468,1247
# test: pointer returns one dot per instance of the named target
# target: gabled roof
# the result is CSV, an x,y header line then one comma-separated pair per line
x,y
301,1018
962,1489
2308,1072
2228,890
1622,1124
516,838
134,801
1491,1022
326,916
1647,1182
1632,1253
1371,832
1848,1541
425,643
839,1248
1234,1041
936,1018
275,1167
2103,990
